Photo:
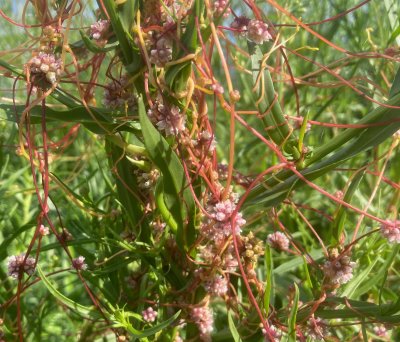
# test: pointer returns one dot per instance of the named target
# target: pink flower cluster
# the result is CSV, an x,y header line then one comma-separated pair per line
x,y
339,270
79,263
46,64
98,29
218,286
149,315
220,8
391,231
206,140
166,119
255,30
278,241
43,231
204,320
274,332
219,225
17,264
161,52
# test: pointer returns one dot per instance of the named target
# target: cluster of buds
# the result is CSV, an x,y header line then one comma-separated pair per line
x,y
339,268
43,231
278,241
169,120
158,226
219,226
204,320
391,231
254,30
211,254
146,180
149,315
119,94
17,264
273,332
218,286
99,29
253,248
79,263
220,7
205,142
51,37
161,51
46,65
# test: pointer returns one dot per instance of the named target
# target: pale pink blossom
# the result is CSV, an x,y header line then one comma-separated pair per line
x,y
149,315
278,241
218,286
339,270
18,264
79,263
220,7
204,320
391,231
44,230
257,32
99,28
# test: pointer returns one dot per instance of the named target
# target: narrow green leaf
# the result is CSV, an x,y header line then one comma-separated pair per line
x,y
99,121
94,47
232,328
269,266
341,214
121,319
81,309
293,316
123,36
395,89
177,196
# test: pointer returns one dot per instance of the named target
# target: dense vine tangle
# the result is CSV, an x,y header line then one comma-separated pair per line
x,y
220,252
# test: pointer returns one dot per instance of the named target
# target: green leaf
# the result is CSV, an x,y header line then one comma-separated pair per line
x,y
269,266
177,195
293,316
85,311
341,214
99,121
232,328
121,319
94,47
122,35
127,189
395,89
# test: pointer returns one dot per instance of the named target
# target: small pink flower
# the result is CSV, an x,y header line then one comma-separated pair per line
x,y
204,320
149,315
217,286
17,264
161,52
79,263
98,29
339,270
172,121
381,331
274,332
278,241
391,231
240,25
44,230
220,7
48,65
257,32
